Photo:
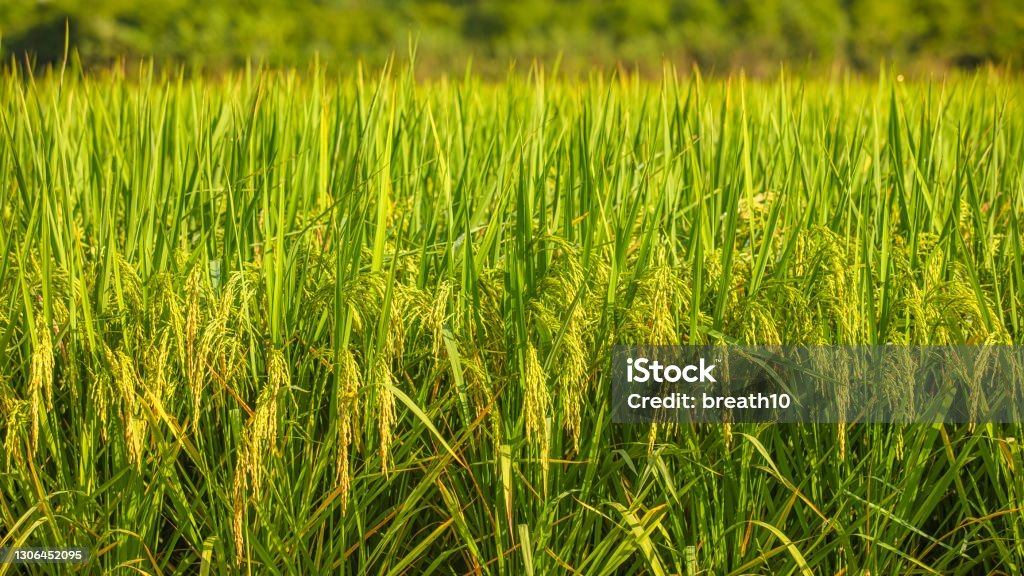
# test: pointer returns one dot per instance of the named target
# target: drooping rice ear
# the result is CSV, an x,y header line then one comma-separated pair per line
x,y
437,315
258,442
833,376
126,382
537,398
349,382
15,419
265,419
572,378
240,497
383,380
40,389
194,368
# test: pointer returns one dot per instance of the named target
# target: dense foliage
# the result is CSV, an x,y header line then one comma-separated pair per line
x,y
300,324
717,34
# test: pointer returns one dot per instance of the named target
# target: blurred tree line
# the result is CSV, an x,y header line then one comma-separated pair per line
x,y
716,34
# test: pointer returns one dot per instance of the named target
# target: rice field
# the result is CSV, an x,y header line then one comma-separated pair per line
x,y
319,321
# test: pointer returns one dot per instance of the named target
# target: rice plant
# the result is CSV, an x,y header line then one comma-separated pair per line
x,y
347,321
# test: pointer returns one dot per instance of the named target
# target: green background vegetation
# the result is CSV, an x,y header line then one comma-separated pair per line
x,y
717,34
312,323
